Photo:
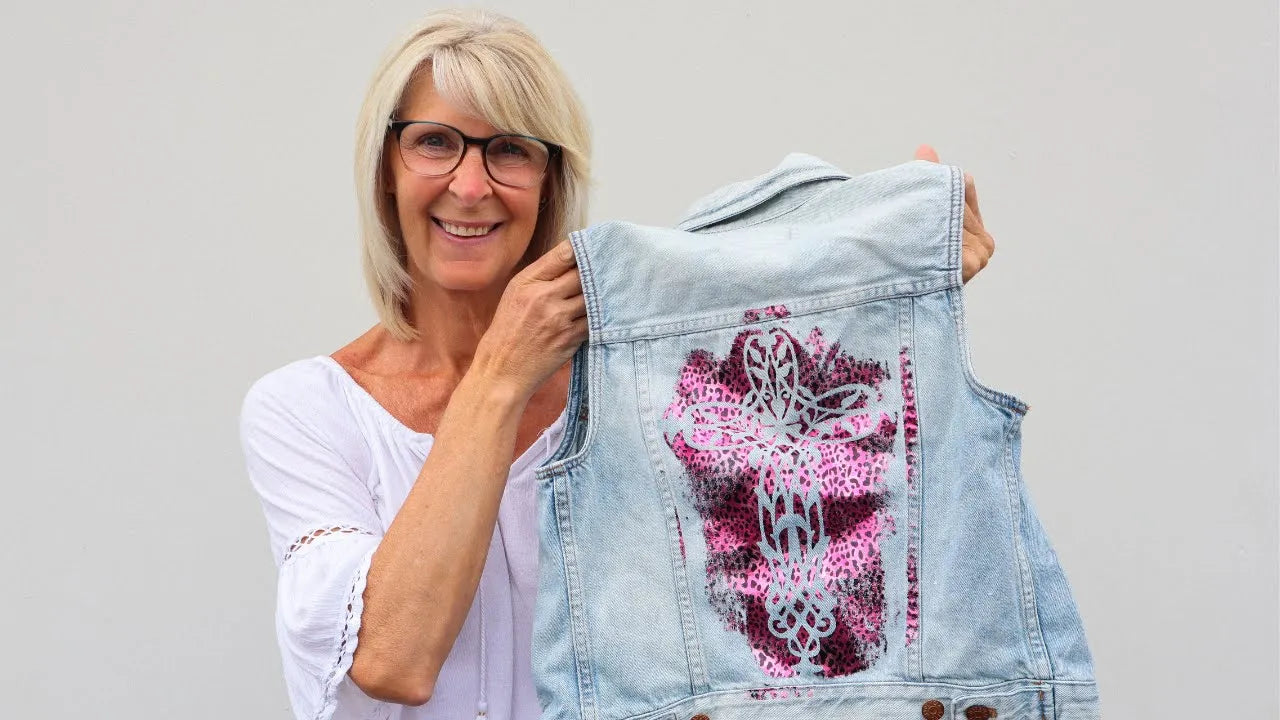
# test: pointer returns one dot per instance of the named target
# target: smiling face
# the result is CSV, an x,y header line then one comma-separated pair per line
x,y
440,216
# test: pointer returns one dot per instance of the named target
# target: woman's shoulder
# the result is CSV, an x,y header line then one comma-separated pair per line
x,y
310,378
307,392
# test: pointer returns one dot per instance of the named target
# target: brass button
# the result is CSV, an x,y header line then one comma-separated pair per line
x,y
932,710
979,712
700,716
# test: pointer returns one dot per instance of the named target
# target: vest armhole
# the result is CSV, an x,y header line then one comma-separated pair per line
x,y
999,398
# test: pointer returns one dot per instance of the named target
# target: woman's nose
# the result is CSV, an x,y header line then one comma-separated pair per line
x,y
470,179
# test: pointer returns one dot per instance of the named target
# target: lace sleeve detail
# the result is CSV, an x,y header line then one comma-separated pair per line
x,y
306,540
339,689
323,527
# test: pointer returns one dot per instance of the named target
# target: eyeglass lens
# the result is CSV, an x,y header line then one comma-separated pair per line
x,y
430,149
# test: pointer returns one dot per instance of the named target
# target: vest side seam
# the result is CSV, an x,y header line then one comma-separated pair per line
x,y
1026,580
577,610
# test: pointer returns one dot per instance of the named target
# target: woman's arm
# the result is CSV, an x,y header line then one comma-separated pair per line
x,y
424,574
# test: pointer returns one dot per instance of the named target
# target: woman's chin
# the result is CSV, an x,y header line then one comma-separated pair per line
x,y
467,276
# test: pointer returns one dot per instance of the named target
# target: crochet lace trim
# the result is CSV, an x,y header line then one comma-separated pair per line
x,y
306,540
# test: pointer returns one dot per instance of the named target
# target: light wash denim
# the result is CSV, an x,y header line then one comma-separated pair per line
x,y
782,491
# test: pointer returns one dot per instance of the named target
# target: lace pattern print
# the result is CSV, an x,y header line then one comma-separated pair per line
x,y
786,445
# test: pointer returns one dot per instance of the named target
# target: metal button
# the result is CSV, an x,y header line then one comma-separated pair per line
x,y
932,710
979,712
700,716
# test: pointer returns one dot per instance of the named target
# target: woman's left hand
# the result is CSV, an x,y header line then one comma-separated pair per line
x,y
978,244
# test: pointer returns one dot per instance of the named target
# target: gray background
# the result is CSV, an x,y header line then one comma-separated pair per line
x,y
180,219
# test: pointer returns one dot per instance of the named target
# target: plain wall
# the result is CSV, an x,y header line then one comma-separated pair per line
x,y
180,220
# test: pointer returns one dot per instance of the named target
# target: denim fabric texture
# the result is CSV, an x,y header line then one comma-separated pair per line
x,y
782,492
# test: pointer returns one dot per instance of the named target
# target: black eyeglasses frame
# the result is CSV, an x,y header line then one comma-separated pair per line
x,y
398,126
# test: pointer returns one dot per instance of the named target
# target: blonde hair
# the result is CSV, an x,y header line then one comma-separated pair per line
x,y
487,65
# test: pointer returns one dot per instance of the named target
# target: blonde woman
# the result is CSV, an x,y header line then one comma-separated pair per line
x,y
396,473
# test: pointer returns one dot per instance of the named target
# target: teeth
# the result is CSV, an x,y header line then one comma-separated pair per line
x,y
465,231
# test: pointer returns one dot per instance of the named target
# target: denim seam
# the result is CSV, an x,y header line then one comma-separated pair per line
x,y
1015,475
568,589
797,308
587,279
709,229
698,680
560,459
1026,588
955,228
577,611
1015,529
833,689
915,492
955,298
592,364
732,206
994,398
1001,694
773,186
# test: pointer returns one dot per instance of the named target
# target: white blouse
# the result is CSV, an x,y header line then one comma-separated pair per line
x,y
332,467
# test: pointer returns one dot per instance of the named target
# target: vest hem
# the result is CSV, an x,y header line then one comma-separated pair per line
x,y
1027,699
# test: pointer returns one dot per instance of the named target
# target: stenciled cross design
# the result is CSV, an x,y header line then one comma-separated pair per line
x,y
782,425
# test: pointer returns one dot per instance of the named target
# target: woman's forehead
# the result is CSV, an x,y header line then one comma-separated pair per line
x,y
424,101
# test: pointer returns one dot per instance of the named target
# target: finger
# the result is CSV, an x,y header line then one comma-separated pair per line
x,y
554,262
976,235
579,331
971,196
567,285
971,262
926,152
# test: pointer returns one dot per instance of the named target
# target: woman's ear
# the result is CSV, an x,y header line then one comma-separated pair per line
x,y
544,193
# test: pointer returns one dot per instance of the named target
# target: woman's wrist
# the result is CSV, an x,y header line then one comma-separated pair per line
x,y
491,391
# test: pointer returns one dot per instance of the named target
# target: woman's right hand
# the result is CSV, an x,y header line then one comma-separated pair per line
x,y
538,325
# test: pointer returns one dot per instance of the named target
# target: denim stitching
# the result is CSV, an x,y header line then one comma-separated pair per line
x,y
1031,615
698,679
582,647
801,307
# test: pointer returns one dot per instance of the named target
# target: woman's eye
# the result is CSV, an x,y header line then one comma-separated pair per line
x,y
510,148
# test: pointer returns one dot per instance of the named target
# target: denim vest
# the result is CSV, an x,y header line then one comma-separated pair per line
x,y
782,492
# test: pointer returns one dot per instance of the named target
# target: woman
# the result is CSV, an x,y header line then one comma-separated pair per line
x,y
396,473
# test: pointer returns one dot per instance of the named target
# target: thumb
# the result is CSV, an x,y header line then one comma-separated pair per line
x,y
926,152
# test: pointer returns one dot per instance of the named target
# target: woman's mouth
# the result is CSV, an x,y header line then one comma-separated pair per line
x,y
466,233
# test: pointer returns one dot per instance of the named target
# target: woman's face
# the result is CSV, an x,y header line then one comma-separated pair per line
x,y
467,197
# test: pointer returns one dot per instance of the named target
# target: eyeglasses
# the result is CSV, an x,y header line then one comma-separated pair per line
x,y
434,149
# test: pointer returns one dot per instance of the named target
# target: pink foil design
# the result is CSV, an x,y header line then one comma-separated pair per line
x,y
786,445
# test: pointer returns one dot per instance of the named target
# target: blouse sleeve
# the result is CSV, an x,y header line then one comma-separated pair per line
x,y
323,530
